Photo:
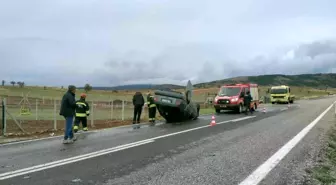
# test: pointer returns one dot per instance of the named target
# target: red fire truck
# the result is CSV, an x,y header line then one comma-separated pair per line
x,y
231,97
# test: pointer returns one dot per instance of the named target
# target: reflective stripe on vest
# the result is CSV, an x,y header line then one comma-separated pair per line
x,y
80,114
81,103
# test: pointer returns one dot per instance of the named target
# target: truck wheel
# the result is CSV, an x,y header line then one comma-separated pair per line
x,y
273,102
218,110
240,109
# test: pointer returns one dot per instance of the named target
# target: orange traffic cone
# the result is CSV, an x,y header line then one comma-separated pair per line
x,y
213,121
264,110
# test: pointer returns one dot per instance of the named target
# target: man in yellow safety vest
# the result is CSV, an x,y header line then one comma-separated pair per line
x,y
82,111
151,108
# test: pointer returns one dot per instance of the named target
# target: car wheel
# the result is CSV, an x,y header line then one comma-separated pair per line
x,y
196,115
218,110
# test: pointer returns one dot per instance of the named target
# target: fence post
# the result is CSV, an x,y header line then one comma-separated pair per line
x,y
92,111
55,113
36,109
4,124
111,103
123,111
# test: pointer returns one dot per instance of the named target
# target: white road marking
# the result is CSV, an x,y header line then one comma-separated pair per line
x,y
91,131
37,168
260,173
40,167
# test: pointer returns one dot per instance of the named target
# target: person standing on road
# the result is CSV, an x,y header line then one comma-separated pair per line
x,y
247,102
138,102
151,109
68,107
82,111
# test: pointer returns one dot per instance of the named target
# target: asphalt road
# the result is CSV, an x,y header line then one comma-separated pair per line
x,y
189,153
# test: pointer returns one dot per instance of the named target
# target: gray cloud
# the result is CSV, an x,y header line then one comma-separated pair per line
x,y
118,42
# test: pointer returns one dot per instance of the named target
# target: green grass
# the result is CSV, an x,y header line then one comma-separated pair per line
x,y
200,95
208,110
56,93
48,113
325,172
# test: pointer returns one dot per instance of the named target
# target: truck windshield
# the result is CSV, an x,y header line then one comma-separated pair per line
x,y
229,91
278,91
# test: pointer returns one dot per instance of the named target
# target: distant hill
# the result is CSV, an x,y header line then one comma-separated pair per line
x,y
308,80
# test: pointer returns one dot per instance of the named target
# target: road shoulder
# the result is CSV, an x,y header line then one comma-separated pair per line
x,y
324,169
296,168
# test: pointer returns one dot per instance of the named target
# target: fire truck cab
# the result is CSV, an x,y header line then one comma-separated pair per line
x,y
231,97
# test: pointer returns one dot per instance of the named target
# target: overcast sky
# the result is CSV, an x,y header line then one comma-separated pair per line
x,y
117,42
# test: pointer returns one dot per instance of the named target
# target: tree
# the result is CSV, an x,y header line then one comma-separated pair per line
x,y
13,83
3,82
21,84
87,87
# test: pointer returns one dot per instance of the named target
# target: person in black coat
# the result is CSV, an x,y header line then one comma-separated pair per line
x,y
138,102
247,102
68,107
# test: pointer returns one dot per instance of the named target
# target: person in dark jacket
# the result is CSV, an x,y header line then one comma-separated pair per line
x,y
68,107
151,109
138,102
247,102
82,111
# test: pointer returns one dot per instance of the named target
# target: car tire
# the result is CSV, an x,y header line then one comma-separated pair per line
x,y
218,111
291,101
197,114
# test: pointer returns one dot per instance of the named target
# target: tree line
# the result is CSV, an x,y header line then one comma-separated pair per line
x,y
20,84
87,87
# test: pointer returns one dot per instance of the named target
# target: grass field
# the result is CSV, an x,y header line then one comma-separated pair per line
x,y
51,93
325,170
44,114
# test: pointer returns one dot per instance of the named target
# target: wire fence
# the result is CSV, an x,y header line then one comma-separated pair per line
x,y
26,116
40,116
